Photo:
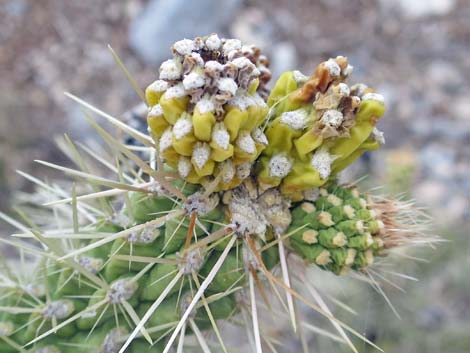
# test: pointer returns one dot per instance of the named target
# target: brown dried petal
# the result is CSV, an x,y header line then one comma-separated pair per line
x,y
189,63
245,76
212,77
196,94
319,81
348,106
235,54
219,100
198,43
230,70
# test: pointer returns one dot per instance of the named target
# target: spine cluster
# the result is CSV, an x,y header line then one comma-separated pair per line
x,y
245,178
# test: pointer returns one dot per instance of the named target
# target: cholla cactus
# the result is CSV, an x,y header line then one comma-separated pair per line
x,y
206,109
166,253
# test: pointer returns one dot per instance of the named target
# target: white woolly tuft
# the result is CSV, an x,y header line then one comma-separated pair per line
x,y
359,89
228,171
231,44
60,309
165,140
155,111
171,70
198,58
193,80
321,161
227,84
347,70
244,170
205,105
373,97
184,46
113,340
299,77
213,42
6,328
35,290
259,136
246,143
176,91
90,264
145,236
184,167
158,86
221,136
343,89
183,127
378,136
332,118
214,65
279,166
121,290
241,101
333,68
296,119
201,154
242,62
258,100
246,217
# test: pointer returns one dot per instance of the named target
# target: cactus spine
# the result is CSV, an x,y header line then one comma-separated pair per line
x,y
242,179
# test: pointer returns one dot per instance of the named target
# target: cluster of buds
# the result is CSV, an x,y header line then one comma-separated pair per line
x,y
320,126
339,229
182,252
206,108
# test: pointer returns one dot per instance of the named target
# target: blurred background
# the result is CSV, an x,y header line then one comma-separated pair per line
x,y
415,52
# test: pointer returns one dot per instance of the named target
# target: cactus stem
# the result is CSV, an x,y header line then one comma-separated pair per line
x,y
71,319
13,344
122,234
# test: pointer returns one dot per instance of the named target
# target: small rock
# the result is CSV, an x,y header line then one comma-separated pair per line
x,y
431,193
430,318
162,22
438,161
283,58
444,73
418,9
461,108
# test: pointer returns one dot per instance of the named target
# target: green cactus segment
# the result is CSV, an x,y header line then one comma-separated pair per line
x,y
148,257
343,231
319,125
206,108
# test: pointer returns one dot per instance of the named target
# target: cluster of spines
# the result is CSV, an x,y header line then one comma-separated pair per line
x,y
319,125
101,327
206,109
213,91
338,230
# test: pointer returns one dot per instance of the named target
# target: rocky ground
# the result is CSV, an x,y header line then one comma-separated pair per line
x,y
414,52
